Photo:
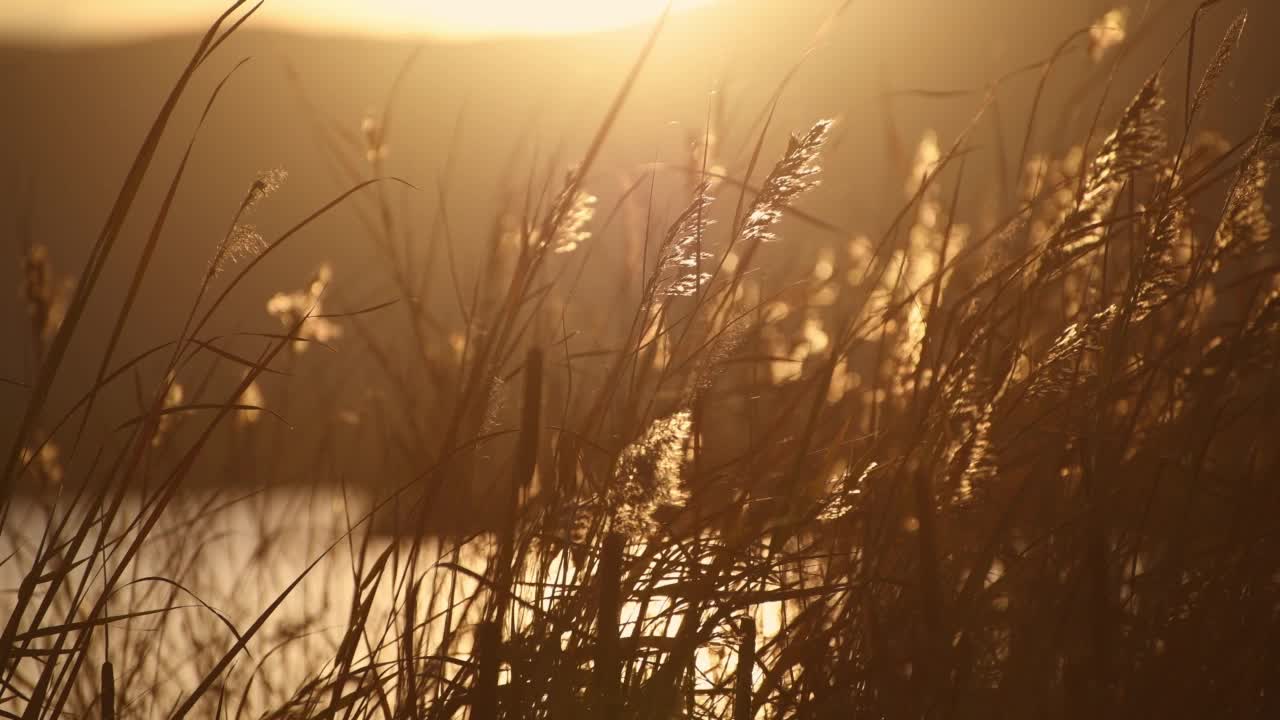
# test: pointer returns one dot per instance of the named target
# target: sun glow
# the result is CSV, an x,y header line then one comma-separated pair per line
x,y
466,19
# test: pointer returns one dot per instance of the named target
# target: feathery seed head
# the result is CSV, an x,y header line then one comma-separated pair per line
x,y
1158,271
795,174
572,211
267,182
244,243
1136,143
1060,367
680,258
1245,220
1221,57
647,476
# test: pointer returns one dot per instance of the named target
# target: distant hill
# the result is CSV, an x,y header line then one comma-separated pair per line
x,y
74,117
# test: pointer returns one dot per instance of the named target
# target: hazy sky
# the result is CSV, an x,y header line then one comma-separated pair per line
x,y
106,20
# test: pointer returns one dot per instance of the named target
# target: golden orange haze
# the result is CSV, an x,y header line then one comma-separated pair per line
x,y
96,20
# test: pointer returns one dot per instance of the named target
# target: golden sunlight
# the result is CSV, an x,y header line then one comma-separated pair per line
x,y
75,20
499,359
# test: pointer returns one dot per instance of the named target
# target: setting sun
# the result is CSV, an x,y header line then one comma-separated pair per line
x,y
95,20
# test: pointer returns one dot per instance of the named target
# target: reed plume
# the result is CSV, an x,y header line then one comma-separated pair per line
x,y
1135,144
648,476
796,173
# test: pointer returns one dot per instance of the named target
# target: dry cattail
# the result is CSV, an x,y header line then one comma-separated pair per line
x,y
743,701
108,679
488,645
608,700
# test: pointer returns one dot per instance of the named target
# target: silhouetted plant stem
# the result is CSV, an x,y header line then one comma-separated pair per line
x,y
930,583
409,681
